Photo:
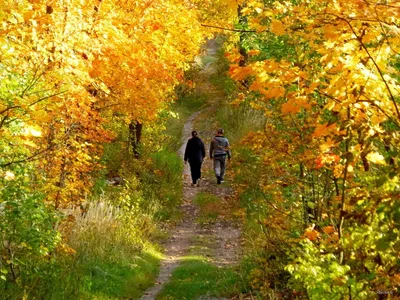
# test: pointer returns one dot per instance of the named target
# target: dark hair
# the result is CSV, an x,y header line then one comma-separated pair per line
x,y
220,131
194,133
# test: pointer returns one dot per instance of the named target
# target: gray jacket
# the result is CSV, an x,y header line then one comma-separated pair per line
x,y
219,146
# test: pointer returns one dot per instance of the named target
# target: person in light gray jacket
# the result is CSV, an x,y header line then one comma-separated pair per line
x,y
219,150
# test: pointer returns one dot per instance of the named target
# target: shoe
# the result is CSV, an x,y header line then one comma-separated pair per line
x,y
198,182
218,179
192,184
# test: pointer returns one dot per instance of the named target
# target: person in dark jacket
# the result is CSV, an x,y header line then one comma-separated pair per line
x,y
195,153
219,150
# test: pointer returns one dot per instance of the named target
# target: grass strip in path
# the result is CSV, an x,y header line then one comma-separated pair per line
x,y
197,277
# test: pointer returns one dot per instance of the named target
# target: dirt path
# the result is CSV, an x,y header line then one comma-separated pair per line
x,y
218,240
221,236
180,238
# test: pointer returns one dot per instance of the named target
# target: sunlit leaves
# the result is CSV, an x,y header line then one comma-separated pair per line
x,y
333,112
70,68
277,27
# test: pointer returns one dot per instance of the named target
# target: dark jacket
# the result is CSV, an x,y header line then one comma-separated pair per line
x,y
219,146
195,150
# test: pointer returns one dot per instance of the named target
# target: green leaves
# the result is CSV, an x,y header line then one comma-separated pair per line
x,y
26,227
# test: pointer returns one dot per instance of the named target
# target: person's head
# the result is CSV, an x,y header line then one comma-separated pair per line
x,y
194,133
220,131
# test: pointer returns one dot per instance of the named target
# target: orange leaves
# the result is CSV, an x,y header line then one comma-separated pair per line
x,y
233,4
327,159
330,32
256,86
240,73
28,15
41,116
328,229
253,52
234,57
334,85
328,145
156,26
274,92
294,105
322,130
312,87
312,234
79,66
289,108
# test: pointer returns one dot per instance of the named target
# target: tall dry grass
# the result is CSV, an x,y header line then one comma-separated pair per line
x,y
238,121
102,230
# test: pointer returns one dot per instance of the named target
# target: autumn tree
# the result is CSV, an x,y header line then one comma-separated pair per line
x,y
326,75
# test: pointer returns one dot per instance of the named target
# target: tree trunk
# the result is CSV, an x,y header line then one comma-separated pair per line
x,y
242,50
135,135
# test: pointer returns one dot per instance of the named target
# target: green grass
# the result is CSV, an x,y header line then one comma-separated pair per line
x,y
203,245
202,199
101,278
196,277
187,104
208,59
209,208
239,121
123,278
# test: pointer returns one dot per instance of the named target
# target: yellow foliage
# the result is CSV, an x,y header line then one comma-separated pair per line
x,y
80,65
277,27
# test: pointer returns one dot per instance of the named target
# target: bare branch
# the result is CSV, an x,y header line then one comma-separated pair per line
x,y
228,29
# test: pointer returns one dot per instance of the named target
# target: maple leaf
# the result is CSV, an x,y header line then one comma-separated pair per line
x,y
241,73
274,92
256,86
277,27
295,105
290,108
253,52
311,234
328,229
323,130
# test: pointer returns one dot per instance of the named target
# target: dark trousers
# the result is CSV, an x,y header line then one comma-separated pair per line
x,y
195,170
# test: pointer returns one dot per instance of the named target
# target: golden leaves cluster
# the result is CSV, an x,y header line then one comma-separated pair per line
x,y
68,68
344,51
